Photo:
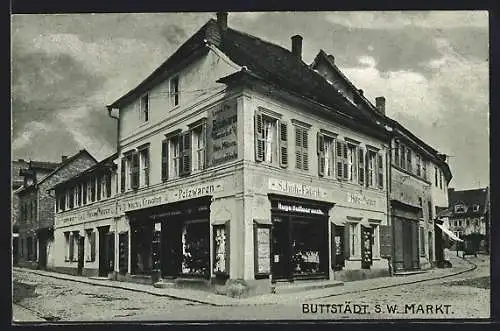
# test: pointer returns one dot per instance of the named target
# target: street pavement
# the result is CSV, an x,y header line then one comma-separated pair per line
x,y
452,297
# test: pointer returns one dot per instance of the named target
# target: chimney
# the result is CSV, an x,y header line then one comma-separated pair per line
x,y
331,58
380,104
297,46
360,92
222,20
63,158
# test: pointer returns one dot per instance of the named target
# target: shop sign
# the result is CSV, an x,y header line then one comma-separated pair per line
x,y
285,186
222,128
299,209
263,250
360,199
144,202
196,191
88,215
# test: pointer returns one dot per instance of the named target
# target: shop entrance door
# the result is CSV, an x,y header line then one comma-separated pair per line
x,y
171,243
280,260
42,256
338,247
81,255
103,261
366,248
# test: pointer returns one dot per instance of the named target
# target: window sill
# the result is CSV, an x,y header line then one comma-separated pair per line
x,y
174,108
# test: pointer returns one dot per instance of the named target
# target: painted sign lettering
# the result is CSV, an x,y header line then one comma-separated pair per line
x,y
296,188
359,199
222,127
299,209
191,192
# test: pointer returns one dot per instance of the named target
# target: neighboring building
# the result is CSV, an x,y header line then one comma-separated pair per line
x,y
468,208
84,224
237,160
36,212
418,179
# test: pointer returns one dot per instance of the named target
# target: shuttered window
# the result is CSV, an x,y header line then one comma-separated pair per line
x,y
144,171
396,153
301,149
84,193
283,144
164,160
99,186
259,141
402,163
408,160
186,153
320,140
351,162
108,184
341,160
361,166
199,135
123,181
380,167
134,178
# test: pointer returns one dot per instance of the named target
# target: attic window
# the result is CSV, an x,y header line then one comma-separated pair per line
x,y
174,91
145,107
475,208
459,209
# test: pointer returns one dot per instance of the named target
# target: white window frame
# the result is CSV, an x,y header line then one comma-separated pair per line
x,y
354,239
88,251
172,93
329,148
352,164
376,240
103,187
372,160
144,113
270,141
199,149
174,156
144,167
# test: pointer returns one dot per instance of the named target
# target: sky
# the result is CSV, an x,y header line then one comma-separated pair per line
x,y
432,68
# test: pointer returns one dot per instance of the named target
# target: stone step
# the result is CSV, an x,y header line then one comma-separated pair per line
x,y
300,286
410,272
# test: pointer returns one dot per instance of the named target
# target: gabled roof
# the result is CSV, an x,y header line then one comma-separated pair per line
x,y
271,62
105,163
66,162
469,198
43,165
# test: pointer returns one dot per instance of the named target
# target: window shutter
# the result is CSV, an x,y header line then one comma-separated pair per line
x,y
135,171
347,240
227,245
339,162
380,170
305,150
186,154
122,178
180,138
204,134
361,166
259,141
369,175
164,160
344,161
298,148
283,145
320,140
385,240
92,246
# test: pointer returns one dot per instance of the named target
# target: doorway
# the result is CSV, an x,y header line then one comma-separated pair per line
x,y
280,266
366,248
103,251
81,254
42,254
338,247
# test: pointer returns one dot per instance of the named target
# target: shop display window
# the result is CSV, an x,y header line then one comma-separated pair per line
x,y
142,238
195,248
307,243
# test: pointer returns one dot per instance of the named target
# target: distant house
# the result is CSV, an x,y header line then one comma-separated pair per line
x,y
35,215
468,209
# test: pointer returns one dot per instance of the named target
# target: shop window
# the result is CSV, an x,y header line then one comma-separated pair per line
x,y
475,208
22,246
174,91
90,249
195,248
307,244
354,240
141,249
66,246
144,108
123,252
199,147
144,165
71,247
266,139
301,148
221,249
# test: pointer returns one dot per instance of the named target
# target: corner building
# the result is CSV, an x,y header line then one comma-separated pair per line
x,y
237,160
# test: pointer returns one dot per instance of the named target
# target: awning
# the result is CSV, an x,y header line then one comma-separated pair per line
x,y
449,233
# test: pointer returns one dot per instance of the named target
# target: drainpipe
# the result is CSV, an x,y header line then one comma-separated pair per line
x,y
388,168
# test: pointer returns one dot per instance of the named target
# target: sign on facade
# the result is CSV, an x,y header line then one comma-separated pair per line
x,y
196,191
88,215
222,144
299,209
359,199
144,202
292,188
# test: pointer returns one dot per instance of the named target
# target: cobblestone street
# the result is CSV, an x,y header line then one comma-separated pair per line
x,y
462,296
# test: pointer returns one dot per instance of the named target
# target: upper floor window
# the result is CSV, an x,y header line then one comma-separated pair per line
x,y
199,146
144,167
475,208
440,179
326,148
301,148
372,168
174,91
352,163
144,105
92,188
408,160
108,184
175,156
436,176
419,170
424,171
460,209
396,153
271,140
403,157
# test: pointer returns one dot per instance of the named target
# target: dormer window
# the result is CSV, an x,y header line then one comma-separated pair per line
x,y
460,209
475,208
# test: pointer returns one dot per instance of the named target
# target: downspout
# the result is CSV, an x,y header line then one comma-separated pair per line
x,y
389,210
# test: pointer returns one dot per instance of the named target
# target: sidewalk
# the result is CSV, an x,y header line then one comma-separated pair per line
x,y
20,314
459,265
183,294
